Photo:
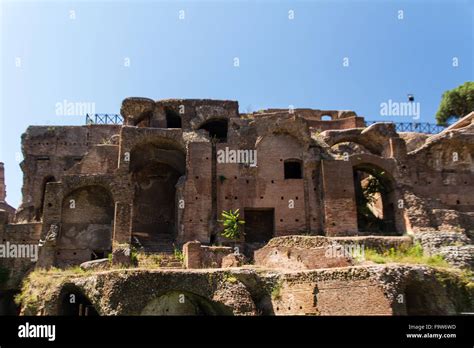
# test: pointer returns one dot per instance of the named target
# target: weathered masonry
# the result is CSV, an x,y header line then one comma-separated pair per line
x,y
156,180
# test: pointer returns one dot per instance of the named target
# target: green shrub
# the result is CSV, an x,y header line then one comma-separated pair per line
x,y
413,254
178,254
231,224
276,291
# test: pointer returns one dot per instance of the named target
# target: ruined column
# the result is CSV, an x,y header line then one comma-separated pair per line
x,y
122,223
340,208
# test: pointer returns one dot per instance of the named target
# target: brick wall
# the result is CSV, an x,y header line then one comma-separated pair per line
x,y
340,212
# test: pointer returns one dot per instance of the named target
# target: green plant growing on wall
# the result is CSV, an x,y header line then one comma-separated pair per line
x,y
178,254
222,178
231,223
276,291
374,185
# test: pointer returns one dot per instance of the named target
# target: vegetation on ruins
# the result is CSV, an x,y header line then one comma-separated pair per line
x,y
372,186
231,223
276,291
456,103
40,285
413,254
178,254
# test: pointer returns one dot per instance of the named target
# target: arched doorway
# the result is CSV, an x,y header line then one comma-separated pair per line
x,y
173,120
75,303
184,303
375,200
86,226
155,170
217,129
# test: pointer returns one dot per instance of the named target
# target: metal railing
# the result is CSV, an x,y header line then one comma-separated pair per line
x,y
104,119
419,127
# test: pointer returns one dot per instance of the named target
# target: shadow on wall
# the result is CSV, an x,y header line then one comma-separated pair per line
x,y
425,299
375,199
7,303
74,303
184,303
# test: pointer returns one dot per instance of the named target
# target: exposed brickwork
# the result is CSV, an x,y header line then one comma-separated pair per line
x,y
166,183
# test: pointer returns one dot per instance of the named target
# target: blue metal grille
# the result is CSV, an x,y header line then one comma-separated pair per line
x,y
420,127
104,119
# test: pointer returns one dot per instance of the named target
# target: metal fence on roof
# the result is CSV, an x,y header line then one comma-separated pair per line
x,y
104,119
419,127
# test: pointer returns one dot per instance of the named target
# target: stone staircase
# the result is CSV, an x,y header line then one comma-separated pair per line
x,y
158,250
153,243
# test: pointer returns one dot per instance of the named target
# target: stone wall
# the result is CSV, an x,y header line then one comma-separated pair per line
x,y
374,290
201,256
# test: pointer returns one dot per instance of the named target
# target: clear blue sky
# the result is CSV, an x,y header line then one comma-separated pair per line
x,y
282,62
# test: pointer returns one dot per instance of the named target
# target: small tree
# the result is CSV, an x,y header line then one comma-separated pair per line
x,y
231,223
456,103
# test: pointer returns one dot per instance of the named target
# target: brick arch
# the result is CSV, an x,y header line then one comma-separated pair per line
x,y
156,152
73,183
368,161
168,303
216,125
295,127
165,139
326,117
155,168
374,148
72,301
385,171
265,137
133,138
87,220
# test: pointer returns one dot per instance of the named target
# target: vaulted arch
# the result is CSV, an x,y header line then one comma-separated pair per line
x,y
87,215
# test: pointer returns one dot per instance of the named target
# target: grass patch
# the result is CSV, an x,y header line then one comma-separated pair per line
x,y
276,291
150,261
228,277
178,254
413,255
40,285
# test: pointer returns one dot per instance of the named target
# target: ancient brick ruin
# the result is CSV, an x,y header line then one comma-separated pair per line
x,y
163,178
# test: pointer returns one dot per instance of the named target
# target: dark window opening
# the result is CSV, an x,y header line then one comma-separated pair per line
x,y
217,130
375,200
421,300
98,254
173,120
75,303
293,170
39,210
259,225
